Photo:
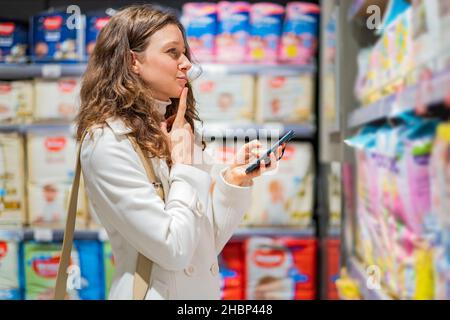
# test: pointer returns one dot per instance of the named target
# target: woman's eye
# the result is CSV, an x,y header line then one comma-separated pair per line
x,y
174,52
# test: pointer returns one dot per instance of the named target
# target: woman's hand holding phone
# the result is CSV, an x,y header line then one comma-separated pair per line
x,y
179,134
248,153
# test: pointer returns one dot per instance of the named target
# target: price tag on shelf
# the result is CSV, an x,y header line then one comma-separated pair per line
x,y
43,234
51,71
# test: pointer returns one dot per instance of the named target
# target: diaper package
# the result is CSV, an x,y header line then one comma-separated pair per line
x,y
13,42
225,98
51,165
57,36
333,267
266,23
286,197
232,270
200,22
95,21
12,180
85,279
285,98
280,268
51,156
233,31
16,100
9,271
57,99
299,39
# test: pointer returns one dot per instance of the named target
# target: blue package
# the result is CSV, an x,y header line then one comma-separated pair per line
x,y
13,42
92,270
57,36
200,22
266,23
95,21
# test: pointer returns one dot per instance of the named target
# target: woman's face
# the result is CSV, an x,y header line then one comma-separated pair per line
x,y
163,65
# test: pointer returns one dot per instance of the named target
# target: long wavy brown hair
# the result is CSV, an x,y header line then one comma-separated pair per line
x,y
110,89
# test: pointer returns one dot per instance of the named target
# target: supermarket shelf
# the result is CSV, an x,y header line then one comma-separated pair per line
x,y
50,71
427,93
358,273
26,127
48,235
54,71
275,69
271,232
252,130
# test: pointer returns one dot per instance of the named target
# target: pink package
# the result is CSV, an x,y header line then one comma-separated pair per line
x,y
266,22
200,22
233,31
300,30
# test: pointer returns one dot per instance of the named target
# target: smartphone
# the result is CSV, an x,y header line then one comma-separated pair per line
x,y
284,139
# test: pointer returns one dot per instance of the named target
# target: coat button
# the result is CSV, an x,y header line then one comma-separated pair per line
x,y
190,271
214,269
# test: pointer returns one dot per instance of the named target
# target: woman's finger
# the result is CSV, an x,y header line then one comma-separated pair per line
x,y
179,119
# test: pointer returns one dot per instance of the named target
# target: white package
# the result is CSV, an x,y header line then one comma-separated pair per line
x,y
48,203
9,265
285,197
16,100
284,98
51,156
57,99
225,98
12,183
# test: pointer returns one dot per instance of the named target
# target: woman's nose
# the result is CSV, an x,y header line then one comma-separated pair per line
x,y
185,64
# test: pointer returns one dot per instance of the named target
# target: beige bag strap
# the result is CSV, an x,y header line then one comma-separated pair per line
x,y
143,264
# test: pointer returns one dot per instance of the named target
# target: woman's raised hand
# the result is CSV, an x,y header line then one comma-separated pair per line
x,y
180,136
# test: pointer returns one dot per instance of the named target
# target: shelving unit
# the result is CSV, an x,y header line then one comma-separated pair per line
x,y
55,71
427,94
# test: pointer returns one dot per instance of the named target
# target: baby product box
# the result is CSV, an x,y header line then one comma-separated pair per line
x,y
333,267
51,156
200,22
284,98
13,42
232,270
109,266
288,194
57,36
280,268
9,271
266,23
12,180
233,31
85,279
16,100
95,21
299,40
225,98
57,99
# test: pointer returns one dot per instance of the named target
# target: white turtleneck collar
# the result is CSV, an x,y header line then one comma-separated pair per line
x,y
161,106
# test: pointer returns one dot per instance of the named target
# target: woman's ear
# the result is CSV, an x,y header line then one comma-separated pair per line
x,y
134,63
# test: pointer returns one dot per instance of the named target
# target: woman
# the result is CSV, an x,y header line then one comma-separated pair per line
x,y
135,80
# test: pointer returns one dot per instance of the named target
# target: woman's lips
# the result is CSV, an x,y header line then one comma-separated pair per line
x,y
182,80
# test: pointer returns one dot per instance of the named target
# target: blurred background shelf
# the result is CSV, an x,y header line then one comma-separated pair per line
x,y
55,71
253,130
357,271
274,231
425,94
42,234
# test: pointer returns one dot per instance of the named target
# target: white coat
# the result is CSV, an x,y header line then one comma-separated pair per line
x,y
182,236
